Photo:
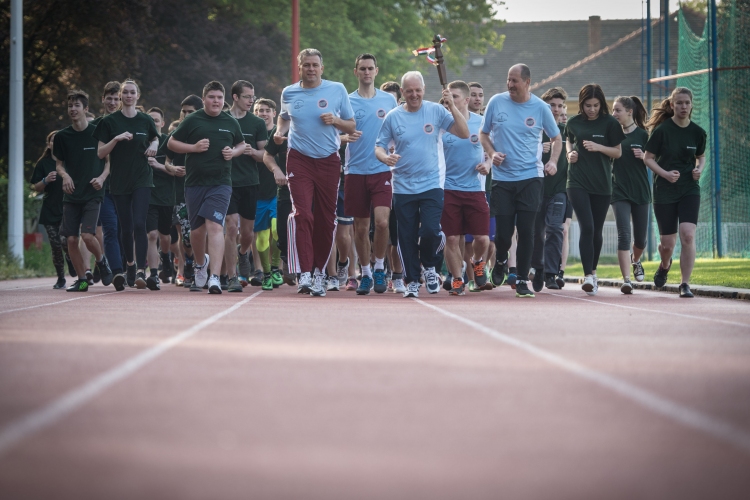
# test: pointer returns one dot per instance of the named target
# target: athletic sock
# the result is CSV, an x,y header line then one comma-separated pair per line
x,y
513,270
154,272
367,271
379,264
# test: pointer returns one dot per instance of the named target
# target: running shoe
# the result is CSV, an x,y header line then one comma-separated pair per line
x,y
638,273
398,283
626,287
532,273
588,283
432,280
152,282
267,282
333,284
179,280
480,277
318,284
244,263
257,279
522,290
188,282
97,277
119,282
305,283
365,285
596,287
214,284
78,285
276,277
289,278
457,287
685,292
201,273
90,277
472,287
660,277
379,280
351,284
224,280
448,283
560,279
71,267
165,274
499,273
130,275
512,279
234,285
140,280
59,285
342,271
104,271
550,282
412,290
195,288
537,282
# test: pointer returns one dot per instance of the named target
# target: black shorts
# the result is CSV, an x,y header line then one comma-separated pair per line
x,y
568,208
244,202
207,203
159,217
670,215
80,217
509,197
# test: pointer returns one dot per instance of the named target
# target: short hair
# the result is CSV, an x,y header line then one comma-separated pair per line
x,y
412,74
192,100
238,86
476,84
309,53
460,85
157,110
525,71
131,82
392,87
266,102
213,85
111,88
365,56
79,96
555,93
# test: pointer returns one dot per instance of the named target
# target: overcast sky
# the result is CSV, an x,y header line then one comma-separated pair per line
x,y
567,10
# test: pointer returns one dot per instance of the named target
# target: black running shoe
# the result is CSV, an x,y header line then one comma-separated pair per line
x,y
550,282
59,285
448,283
119,282
90,277
522,290
196,288
104,271
71,268
560,279
499,273
152,282
660,277
78,286
140,280
130,275
685,292
224,280
538,282
257,279
97,274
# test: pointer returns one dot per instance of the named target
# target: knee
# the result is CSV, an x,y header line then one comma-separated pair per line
x,y
88,238
452,241
152,236
72,241
687,238
381,224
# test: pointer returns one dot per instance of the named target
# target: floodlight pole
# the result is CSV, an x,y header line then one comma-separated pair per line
x,y
295,40
649,102
666,44
15,158
715,131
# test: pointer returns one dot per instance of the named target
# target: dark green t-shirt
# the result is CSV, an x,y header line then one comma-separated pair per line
x,y
128,164
554,184
163,192
244,168
629,174
279,152
53,194
209,168
79,152
178,160
676,148
593,171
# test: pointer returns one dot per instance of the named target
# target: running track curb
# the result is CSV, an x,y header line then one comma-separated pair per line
x,y
722,292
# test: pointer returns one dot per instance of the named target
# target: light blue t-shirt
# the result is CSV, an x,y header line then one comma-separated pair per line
x,y
308,134
516,131
369,114
462,157
416,137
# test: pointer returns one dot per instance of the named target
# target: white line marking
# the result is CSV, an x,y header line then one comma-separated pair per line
x,y
11,289
51,413
720,429
59,302
689,316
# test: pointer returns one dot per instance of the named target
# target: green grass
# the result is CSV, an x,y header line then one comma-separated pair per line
x,y
38,263
719,272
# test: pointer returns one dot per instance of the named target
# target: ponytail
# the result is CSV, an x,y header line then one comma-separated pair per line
x,y
635,105
664,110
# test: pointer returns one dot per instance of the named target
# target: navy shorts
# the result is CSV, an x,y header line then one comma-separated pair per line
x,y
343,220
207,203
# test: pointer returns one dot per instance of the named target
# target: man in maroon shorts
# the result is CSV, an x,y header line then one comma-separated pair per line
x,y
313,111
465,209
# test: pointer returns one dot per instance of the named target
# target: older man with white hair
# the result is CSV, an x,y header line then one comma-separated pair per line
x,y
414,130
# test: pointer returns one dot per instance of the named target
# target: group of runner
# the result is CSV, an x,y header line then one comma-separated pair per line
x,y
238,195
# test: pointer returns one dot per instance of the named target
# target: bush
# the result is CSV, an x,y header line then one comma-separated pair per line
x,y
37,263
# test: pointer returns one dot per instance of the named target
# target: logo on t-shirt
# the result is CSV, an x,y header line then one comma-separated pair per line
x,y
530,121
450,139
400,130
322,103
88,149
428,128
597,135
474,139
224,130
502,117
359,114
381,113
298,104
691,147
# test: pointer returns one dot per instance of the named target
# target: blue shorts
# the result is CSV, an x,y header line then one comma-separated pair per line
x,y
342,219
264,212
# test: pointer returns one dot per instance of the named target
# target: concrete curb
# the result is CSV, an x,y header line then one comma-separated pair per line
x,y
722,292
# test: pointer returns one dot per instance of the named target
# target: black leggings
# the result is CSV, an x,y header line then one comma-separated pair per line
x,y
58,244
132,210
623,210
591,211
523,221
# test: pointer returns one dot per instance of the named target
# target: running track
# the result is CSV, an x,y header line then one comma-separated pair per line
x,y
181,395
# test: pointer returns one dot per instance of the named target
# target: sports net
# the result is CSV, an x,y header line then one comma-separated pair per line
x,y
734,126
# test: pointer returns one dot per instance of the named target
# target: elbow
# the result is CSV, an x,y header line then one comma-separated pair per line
x,y
101,154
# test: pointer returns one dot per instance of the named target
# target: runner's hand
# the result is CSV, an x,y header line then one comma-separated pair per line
x,y
592,146
392,159
328,118
573,157
51,177
151,151
125,136
672,175
483,168
279,177
546,147
249,150
638,153
69,186
227,152
178,171
498,158
278,139
353,137
97,182
550,168
697,174
201,146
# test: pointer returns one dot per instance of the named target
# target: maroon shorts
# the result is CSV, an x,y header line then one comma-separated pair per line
x,y
465,212
361,192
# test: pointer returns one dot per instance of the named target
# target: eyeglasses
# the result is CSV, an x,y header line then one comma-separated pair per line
x,y
251,97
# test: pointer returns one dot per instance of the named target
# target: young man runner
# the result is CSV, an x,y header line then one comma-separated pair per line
x,y
465,208
476,98
511,135
313,112
368,180
415,130
210,139
83,174
245,181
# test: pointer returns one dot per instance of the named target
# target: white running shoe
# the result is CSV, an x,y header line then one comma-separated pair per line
x,y
333,284
412,290
214,284
627,287
305,283
342,273
398,285
638,271
318,284
588,283
432,280
595,289
201,273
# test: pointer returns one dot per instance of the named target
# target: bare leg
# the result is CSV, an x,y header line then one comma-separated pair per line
x,y
453,256
623,257
687,254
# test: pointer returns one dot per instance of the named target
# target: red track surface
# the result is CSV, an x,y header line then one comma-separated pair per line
x,y
482,396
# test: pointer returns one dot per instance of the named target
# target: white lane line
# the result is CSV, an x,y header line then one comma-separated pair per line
x,y
59,302
669,313
716,427
56,410
10,289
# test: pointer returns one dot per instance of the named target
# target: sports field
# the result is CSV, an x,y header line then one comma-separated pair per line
x,y
174,394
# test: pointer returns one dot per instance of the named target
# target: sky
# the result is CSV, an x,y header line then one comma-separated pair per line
x,y
515,11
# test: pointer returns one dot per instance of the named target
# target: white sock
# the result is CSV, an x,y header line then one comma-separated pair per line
x,y
379,264
367,271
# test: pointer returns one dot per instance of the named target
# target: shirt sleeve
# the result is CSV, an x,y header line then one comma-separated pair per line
x,y
549,125
152,132
102,132
346,112
284,109
38,173
58,148
261,132
181,132
654,143
487,118
385,136
237,132
615,135
569,133
446,118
